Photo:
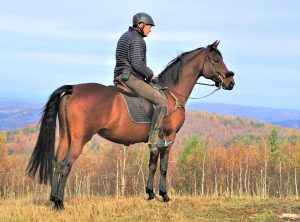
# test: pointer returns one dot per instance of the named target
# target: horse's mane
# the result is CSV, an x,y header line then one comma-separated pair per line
x,y
171,74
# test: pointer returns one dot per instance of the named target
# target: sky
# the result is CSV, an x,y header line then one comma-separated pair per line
x,y
46,44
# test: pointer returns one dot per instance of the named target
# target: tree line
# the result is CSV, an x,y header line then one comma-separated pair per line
x,y
199,165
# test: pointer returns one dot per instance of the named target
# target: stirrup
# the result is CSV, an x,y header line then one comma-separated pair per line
x,y
161,143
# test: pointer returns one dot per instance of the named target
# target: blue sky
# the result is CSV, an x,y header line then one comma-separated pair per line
x,y
45,44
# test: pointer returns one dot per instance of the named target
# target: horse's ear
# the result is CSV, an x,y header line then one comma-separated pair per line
x,y
214,45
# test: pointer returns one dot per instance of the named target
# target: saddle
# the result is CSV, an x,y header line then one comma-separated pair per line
x,y
139,109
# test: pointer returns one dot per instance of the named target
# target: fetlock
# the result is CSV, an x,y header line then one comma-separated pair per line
x,y
53,198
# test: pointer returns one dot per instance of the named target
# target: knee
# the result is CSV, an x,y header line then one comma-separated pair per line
x,y
162,101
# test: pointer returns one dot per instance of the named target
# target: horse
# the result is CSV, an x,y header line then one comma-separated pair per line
x,y
90,108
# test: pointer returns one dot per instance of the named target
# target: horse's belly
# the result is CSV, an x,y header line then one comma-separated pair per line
x,y
126,137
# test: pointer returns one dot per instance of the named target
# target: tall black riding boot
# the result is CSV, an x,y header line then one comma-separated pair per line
x,y
157,119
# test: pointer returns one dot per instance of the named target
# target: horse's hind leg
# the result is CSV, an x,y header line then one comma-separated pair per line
x,y
66,165
164,157
61,152
63,147
152,169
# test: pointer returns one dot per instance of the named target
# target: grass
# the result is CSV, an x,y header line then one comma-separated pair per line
x,y
180,208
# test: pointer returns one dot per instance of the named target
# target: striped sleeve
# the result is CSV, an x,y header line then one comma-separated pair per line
x,y
138,58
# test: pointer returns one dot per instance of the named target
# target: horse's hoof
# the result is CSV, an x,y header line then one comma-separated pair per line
x,y
59,205
151,194
165,196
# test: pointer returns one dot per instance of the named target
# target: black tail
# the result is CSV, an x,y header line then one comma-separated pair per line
x,y
43,152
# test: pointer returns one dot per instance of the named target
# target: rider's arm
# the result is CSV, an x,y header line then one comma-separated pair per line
x,y
138,58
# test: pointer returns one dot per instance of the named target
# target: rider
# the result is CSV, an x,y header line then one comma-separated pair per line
x,y
132,70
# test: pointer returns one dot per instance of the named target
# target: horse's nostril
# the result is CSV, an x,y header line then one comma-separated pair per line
x,y
229,74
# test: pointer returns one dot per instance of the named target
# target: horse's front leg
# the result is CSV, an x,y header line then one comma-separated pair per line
x,y
164,158
152,169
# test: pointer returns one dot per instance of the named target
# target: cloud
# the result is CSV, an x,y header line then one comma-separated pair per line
x,y
181,36
238,42
69,58
49,28
62,29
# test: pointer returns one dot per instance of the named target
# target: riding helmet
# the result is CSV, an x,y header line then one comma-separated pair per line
x,y
142,17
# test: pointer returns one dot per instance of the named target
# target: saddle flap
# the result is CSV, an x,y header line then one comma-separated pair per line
x,y
140,110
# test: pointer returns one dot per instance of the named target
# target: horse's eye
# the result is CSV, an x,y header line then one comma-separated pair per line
x,y
216,60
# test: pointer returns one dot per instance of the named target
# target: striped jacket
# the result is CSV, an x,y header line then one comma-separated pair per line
x,y
131,54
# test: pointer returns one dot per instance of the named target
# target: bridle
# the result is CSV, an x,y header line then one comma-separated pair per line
x,y
221,77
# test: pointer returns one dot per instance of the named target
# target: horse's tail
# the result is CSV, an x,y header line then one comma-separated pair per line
x,y
43,153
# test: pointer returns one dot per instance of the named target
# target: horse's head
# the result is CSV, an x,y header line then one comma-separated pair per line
x,y
215,69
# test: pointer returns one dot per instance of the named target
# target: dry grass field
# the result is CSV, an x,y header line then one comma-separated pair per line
x,y
138,209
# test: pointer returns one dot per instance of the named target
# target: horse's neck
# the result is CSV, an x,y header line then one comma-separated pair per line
x,y
189,76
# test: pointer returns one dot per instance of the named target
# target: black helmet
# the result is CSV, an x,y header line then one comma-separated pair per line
x,y
142,17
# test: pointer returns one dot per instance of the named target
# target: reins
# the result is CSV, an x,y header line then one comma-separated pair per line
x,y
205,84
179,104
201,97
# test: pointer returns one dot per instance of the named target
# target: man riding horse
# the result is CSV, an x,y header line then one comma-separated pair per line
x,y
132,70
84,110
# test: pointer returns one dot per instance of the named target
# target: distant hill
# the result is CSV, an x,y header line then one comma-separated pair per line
x,y
14,115
223,129
289,124
282,117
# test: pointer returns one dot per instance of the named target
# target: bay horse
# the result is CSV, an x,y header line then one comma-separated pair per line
x,y
86,109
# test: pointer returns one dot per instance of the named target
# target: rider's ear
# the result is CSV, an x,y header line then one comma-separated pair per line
x,y
141,25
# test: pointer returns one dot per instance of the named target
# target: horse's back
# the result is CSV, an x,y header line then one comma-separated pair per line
x,y
95,89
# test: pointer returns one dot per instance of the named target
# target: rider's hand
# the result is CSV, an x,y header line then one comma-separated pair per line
x,y
154,79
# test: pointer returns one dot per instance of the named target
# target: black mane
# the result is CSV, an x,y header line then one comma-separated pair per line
x,y
171,74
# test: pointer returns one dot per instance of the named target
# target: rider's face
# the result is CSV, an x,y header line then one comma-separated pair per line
x,y
147,29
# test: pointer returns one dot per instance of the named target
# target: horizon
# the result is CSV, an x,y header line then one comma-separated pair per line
x,y
46,45
190,103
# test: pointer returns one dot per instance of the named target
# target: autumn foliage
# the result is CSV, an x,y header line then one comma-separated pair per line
x,y
213,155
